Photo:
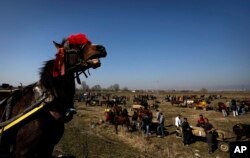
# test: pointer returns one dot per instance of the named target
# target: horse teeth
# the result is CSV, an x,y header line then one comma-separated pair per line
x,y
95,60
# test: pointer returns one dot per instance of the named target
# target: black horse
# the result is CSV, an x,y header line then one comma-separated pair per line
x,y
53,96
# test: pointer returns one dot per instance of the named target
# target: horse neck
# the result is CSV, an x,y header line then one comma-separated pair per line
x,y
65,85
60,89
61,86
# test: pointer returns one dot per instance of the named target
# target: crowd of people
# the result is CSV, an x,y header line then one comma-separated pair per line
x,y
233,106
142,120
183,128
145,121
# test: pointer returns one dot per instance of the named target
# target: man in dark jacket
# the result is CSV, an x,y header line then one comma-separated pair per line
x,y
186,131
134,121
234,107
210,135
146,122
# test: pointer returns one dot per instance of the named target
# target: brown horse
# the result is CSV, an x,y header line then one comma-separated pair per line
x,y
36,135
121,120
118,116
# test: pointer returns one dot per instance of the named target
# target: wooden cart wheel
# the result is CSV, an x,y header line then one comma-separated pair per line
x,y
224,146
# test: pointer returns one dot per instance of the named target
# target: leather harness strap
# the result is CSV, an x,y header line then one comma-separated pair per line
x,y
41,99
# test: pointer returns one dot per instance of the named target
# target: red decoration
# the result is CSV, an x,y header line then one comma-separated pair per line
x,y
73,40
59,66
78,39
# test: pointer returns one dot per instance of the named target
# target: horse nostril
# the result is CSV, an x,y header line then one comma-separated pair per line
x,y
104,53
100,48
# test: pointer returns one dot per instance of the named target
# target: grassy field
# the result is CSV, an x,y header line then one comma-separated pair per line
x,y
86,137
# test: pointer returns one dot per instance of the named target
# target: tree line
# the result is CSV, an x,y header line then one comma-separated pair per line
x,y
113,87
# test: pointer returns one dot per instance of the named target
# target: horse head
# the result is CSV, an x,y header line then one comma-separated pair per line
x,y
40,110
75,54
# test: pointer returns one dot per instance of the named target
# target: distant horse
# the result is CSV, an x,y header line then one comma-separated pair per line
x,y
119,116
121,120
53,96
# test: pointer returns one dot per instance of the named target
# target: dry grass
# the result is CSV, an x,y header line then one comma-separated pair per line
x,y
86,137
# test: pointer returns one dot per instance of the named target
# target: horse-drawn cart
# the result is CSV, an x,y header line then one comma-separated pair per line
x,y
200,132
223,145
241,131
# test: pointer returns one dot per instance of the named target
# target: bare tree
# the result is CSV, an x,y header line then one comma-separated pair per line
x,y
203,90
114,87
96,88
125,88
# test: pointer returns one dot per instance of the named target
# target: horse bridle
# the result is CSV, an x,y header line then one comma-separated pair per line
x,y
75,63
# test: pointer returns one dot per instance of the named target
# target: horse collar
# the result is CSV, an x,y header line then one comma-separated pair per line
x,y
40,93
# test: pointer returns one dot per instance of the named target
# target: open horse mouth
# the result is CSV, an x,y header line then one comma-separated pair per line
x,y
94,59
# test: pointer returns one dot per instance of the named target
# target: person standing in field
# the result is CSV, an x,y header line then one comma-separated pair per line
x,y
178,123
224,110
186,132
210,136
234,107
160,128
134,120
228,105
157,115
146,121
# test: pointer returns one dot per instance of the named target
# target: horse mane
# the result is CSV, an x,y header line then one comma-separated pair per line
x,y
46,79
61,89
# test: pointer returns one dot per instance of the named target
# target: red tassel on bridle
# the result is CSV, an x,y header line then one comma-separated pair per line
x,y
75,41
59,66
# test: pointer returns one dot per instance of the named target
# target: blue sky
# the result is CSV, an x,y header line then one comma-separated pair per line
x,y
161,44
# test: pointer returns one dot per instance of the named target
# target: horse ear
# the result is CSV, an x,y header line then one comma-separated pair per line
x,y
57,45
